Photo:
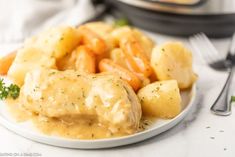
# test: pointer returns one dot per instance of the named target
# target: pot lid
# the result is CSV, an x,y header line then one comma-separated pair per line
x,y
186,7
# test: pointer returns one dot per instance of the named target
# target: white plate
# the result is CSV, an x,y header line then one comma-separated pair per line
x,y
27,130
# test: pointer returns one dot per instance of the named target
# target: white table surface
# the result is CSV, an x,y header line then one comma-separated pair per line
x,y
199,134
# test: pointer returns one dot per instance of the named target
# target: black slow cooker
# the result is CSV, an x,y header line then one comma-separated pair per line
x,y
216,18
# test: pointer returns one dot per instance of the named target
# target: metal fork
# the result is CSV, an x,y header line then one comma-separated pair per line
x,y
203,46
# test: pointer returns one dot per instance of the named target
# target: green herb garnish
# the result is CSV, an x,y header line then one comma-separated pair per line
x,y
232,98
3,90
11,91
121,22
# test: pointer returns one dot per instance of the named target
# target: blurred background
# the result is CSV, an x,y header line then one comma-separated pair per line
x,y
22,18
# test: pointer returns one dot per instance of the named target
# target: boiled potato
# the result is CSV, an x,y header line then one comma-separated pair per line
x,y
160,99
173,60
43,51
59,41
27,59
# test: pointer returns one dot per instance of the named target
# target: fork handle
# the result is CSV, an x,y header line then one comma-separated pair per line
x,y
222,105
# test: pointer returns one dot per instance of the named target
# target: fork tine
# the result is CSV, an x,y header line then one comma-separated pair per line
x,y
207,50
211,46
200,47
195,47
232,45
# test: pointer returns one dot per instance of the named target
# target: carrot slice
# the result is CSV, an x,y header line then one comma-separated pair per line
x,y
109,65
135,56
93,40
6,62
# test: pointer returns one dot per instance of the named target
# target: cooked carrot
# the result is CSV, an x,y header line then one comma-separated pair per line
x,y
135,55
93,40
117,55
131,63
6,62
65,63
84,59
109,65
153,77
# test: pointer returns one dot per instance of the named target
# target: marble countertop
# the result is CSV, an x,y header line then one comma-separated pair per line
x,y
199,134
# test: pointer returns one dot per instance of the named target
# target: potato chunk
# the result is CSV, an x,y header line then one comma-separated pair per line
x,y
160,99
59,41
173,61
27,59
44,51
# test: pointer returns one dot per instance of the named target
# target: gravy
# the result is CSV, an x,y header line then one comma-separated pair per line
x,y
68,128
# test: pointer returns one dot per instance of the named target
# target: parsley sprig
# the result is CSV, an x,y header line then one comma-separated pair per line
x,y
11,91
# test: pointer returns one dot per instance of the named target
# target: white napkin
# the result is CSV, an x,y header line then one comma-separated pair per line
x,y
22,18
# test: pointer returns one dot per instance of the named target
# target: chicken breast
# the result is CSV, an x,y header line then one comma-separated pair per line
x,y
69,95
